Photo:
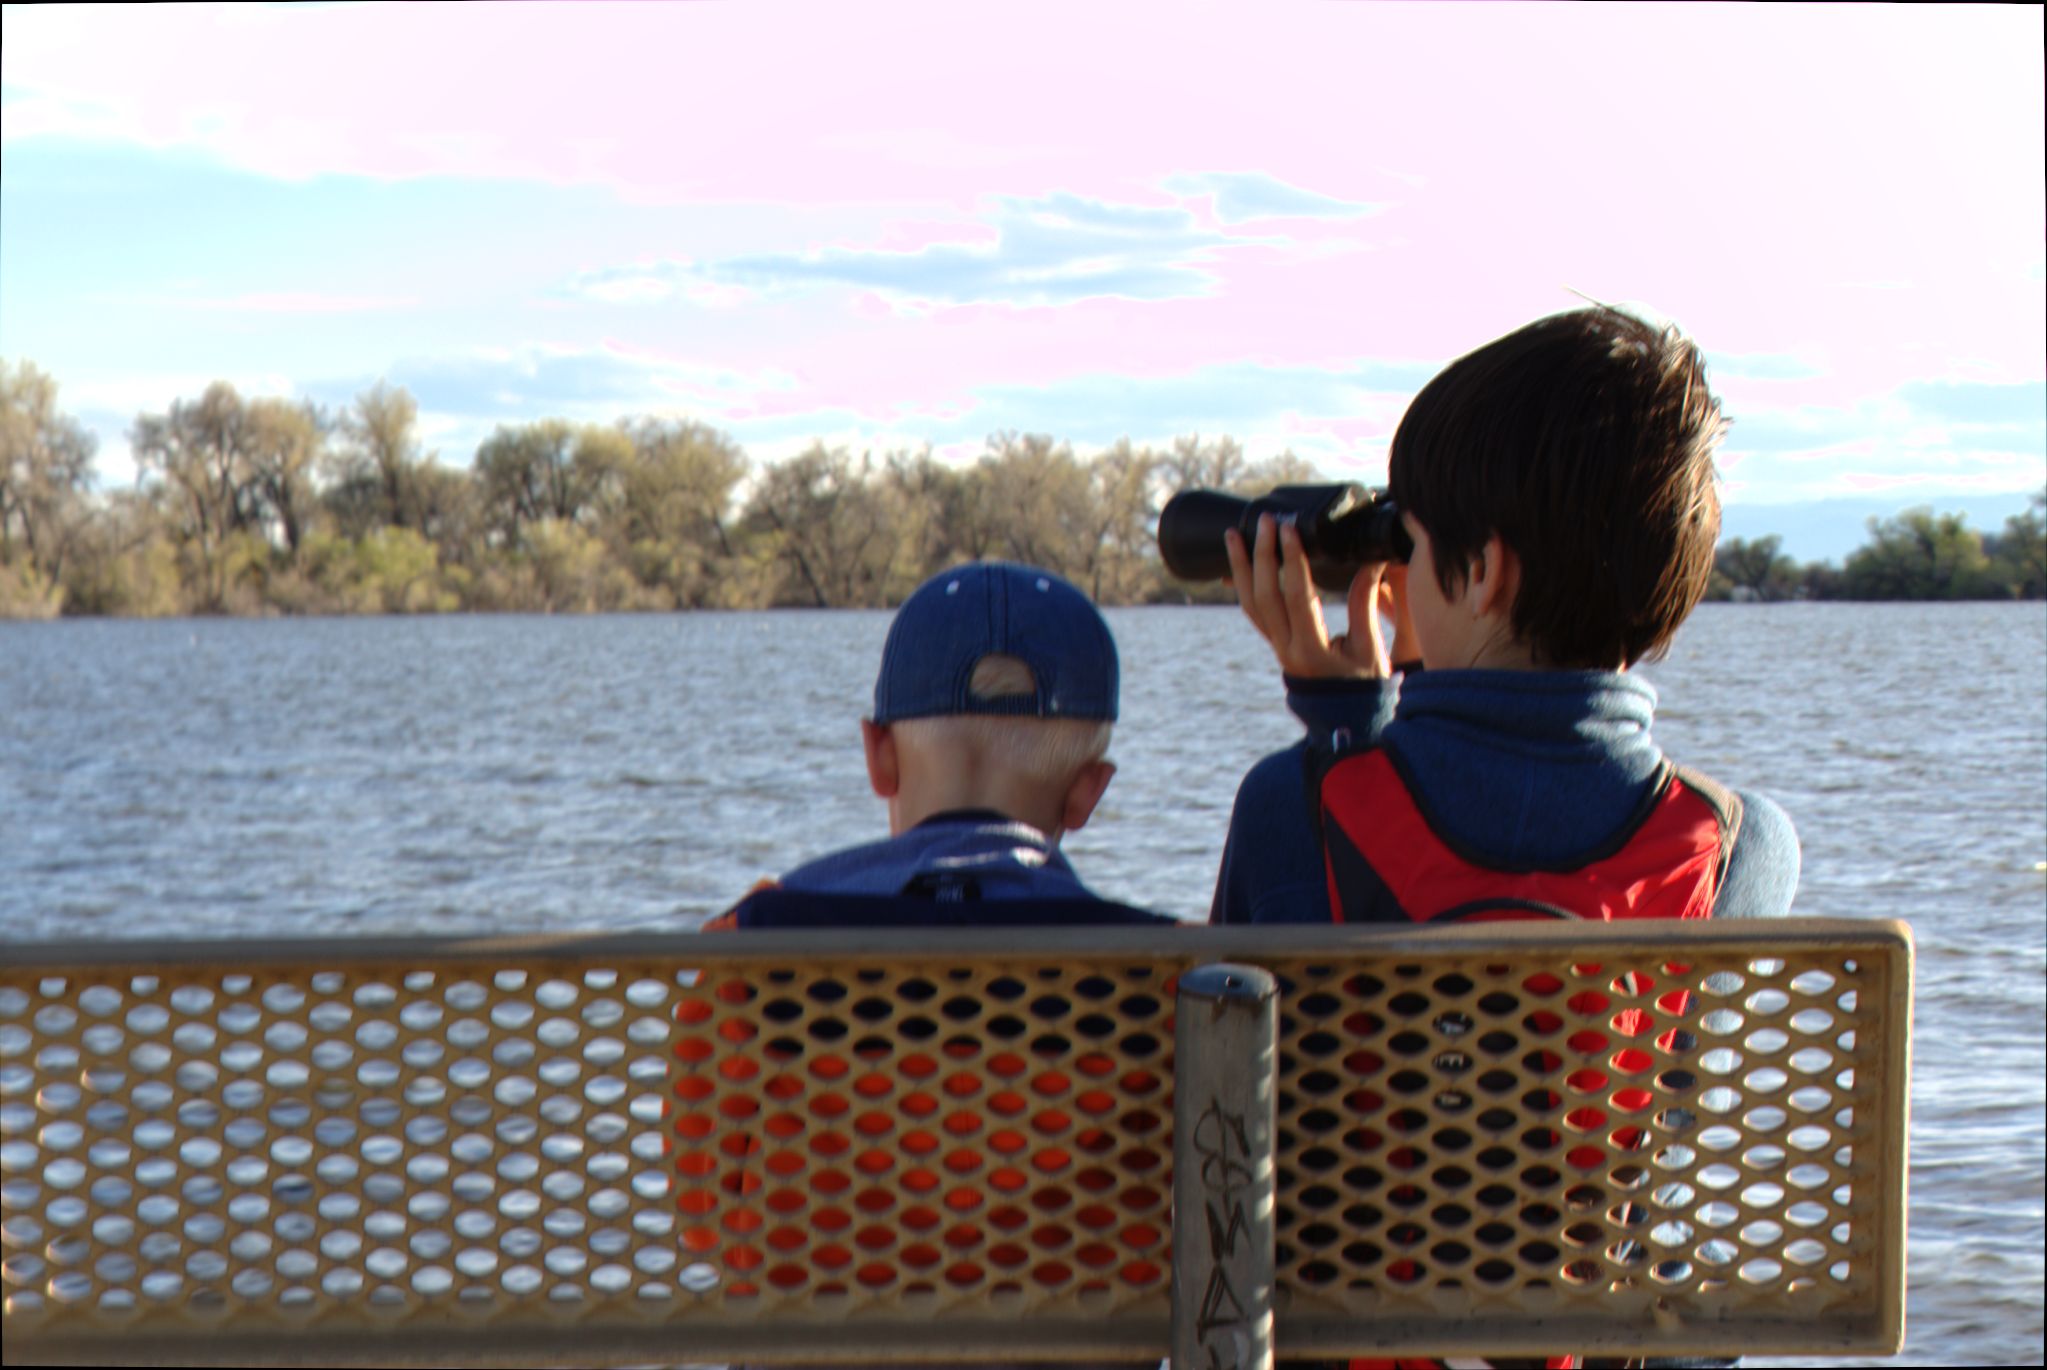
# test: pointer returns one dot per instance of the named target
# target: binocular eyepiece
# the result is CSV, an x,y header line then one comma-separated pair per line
x,y
1343,527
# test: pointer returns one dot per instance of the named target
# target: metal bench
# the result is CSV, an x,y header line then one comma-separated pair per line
x,y
1633,1139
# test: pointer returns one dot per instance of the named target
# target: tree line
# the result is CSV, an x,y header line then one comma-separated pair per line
x,y
1918,555
263,505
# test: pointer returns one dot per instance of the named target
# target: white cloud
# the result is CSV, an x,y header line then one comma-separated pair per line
x,y
1762,366
1048,250
645,288
1239,196
654,283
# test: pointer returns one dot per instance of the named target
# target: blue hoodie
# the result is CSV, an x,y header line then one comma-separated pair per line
x,y
1527,768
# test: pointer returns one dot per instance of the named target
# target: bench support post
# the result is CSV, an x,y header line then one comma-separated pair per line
x,y
1226,1064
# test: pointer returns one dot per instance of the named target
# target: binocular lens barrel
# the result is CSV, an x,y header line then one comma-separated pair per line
x,y
1191,529
1343,527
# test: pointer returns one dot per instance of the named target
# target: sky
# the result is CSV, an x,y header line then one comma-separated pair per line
x,y
888,225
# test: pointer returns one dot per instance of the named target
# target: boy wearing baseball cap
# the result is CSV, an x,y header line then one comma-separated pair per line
x,y
988,741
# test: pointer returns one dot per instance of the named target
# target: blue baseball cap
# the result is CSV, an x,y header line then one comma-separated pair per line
x,y
983,608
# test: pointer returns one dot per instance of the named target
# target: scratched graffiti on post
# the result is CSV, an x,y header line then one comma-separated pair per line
x,y
1222,1141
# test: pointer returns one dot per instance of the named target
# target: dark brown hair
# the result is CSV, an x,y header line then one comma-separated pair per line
x,y
1585,440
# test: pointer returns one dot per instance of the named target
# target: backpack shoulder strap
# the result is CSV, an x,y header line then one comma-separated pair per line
x,y
1726,807
1316,762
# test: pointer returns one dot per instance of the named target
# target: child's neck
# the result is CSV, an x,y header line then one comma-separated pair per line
x,y
1487,648
925,795
1491,660
1507,656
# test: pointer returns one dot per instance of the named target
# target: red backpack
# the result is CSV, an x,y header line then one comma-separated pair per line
x,y
1667,861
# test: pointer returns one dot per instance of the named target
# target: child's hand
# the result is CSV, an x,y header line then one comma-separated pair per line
x,y
1277,594
1393,604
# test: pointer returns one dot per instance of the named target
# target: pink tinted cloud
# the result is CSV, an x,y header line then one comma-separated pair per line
x,y
1756,173
1355,431
915,235
869,353
879,363
1618,114
893,368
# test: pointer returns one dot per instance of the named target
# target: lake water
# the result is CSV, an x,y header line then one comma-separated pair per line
x,y
358,776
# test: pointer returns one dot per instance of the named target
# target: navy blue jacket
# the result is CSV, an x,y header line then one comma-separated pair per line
x,y
962,868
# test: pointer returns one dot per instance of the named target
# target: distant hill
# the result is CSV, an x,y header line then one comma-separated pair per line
x,y
1829,529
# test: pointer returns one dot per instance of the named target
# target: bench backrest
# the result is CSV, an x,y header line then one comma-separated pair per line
x,y
1516,1138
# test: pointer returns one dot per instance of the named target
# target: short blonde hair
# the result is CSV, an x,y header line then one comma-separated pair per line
x,y
1046,749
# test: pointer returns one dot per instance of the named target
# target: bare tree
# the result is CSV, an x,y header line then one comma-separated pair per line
x,y
1123,501
1285,469
932,515
376,467
283,442
1197,465
45,472
201,450
664,503
828,518
1037,499
552,469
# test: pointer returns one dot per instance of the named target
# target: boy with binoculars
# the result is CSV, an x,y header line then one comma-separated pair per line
x,y
1559,491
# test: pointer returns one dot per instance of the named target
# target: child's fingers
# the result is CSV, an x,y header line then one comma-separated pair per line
x,y
1303,609
1240,570
1366,589
1364,644
1252,577
1268,602
1276,591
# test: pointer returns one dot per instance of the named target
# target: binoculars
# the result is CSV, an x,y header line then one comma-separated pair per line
x,y
1343,527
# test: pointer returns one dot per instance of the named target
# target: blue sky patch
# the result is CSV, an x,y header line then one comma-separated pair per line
x,y
1255,195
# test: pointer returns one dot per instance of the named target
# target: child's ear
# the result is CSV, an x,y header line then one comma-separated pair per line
x,y
884,771
1084,793
1493,579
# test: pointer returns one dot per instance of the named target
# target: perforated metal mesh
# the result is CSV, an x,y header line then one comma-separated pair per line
x,y
942,1132
697,1148
1615,1142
